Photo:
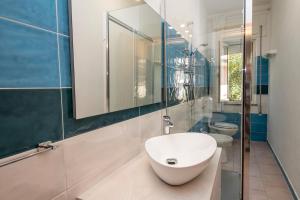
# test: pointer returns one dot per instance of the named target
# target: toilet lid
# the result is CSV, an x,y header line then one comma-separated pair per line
x,y
225,125
222,140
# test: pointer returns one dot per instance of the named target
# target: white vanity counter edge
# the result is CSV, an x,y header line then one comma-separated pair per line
x,y
137,181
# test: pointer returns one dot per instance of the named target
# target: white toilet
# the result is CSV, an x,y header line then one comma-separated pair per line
x,y
222,132
223,128
225,142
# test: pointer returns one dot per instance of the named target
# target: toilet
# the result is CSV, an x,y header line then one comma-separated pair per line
x,y
223,128
222,132
223,141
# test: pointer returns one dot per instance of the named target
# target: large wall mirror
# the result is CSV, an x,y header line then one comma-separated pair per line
x,y
117,56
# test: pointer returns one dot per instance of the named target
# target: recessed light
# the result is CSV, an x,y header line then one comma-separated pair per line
x,y
190,35
182,25
187,31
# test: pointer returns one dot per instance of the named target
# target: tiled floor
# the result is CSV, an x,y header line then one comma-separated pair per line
x,y
266,180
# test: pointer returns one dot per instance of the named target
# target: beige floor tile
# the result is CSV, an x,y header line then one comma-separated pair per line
x,y
255,172
268,161
256,183
258,195
274,180
266,179
269,170
278,193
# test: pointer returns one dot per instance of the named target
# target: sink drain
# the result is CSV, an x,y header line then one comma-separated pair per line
x,y
171,161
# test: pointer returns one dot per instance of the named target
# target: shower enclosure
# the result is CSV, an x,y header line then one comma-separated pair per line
x,y
207,61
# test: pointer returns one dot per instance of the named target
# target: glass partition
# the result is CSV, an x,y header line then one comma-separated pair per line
x,y
204,62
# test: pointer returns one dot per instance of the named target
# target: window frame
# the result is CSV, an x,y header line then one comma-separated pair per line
x,y
253,88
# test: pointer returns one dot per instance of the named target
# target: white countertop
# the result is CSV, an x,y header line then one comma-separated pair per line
x,y
137,181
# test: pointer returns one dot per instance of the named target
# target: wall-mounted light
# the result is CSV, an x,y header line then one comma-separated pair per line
x,y
190,35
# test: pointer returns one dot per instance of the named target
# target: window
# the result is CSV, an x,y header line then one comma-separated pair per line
x,y
231,73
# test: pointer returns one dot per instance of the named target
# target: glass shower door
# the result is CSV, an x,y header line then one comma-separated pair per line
x,y
204,62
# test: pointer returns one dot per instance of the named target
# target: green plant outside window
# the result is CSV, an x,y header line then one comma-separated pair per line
x,y
235,77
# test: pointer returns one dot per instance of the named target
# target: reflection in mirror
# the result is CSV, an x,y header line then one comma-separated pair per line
x,y
134,57
116,49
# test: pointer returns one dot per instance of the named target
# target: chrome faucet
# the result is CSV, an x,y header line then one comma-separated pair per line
x,y
167,124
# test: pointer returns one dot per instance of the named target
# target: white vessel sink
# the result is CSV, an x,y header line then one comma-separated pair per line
x,y
179,158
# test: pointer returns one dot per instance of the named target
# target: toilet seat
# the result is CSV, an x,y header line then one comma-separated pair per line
x,y
225,125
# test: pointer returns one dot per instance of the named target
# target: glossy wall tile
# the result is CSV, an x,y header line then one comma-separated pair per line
x,y
74,127
63,16
28,117
263,79
34,12
65,61
28,57
183,68
36,79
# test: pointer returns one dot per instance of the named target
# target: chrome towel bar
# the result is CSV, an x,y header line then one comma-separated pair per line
x,y
41,148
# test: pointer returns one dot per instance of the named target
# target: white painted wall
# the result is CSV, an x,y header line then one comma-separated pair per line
x,y
284,107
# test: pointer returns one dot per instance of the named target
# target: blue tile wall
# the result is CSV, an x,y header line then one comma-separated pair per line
x,y
264,63
35,67
259,127
34,12
35,79
175,53
63,17
27,118
65,62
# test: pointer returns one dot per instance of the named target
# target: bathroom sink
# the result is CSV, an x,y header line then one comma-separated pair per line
x,y
179,158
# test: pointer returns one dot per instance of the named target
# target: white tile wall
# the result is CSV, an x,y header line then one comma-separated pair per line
x,y
62,196
178,117
36,178
79,162
185,115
